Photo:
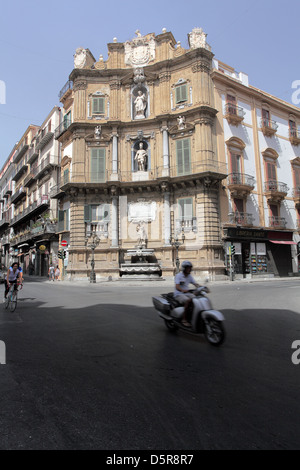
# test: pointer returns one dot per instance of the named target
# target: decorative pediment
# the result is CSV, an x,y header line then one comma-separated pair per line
x,y
270,153
66,159
295,161
235,142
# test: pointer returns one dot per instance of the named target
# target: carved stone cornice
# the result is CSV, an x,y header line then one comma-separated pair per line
x,y
79,85
164,77
115,85
164,187
201,66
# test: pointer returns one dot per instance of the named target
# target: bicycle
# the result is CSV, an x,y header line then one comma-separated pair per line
x,y
12,297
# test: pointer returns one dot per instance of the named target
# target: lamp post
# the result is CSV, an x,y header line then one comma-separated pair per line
x,y
176,244
93,244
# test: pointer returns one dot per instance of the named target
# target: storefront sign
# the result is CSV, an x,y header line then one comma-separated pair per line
x,y
42,248
261,248
246,233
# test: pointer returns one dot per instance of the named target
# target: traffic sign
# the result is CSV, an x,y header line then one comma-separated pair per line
x,y
64,243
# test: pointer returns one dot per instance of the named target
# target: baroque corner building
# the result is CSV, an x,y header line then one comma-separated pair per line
x,y
138,145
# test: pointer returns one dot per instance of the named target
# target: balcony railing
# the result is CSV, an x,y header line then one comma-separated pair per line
x,y
7,189
32,153
234,114
19,194
186,224
35,206
20,169
241,179
294,135
20,152
240,218
276,187
64,125
268,126
278,222
68,86
46,164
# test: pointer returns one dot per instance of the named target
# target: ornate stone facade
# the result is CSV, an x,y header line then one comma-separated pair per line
x,y
155,104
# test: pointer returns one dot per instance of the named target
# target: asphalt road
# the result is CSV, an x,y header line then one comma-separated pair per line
x,y
93,367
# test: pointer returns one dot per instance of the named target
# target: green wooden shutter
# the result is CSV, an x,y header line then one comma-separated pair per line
x,y
181,93
186,156
179,155
87,214
60,221
67,219
66,176
98,105
97,165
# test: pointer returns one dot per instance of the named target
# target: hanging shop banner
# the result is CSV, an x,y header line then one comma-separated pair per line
x,y
42,248
261,248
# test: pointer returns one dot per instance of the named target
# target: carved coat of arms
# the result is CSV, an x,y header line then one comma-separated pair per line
x,y
140,51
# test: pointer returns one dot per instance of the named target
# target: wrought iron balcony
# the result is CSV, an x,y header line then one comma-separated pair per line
x,y
275,191
296,195
20,152
64,125
240,184
35,207
32,153
268,126
46,164
240,218
19,194
277,222
44,138
234,114
66,88
294,135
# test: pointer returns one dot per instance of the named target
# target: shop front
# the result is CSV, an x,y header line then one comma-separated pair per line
x,y
258,252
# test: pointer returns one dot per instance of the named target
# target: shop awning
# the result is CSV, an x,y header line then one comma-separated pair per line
x,y
283,242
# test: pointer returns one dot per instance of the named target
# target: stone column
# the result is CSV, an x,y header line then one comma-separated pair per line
x,y
166,156
167,213
164,79
115,153
114,99
79,89
114,220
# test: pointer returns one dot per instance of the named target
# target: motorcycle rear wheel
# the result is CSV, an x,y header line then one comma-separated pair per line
x,y
214,332
171,326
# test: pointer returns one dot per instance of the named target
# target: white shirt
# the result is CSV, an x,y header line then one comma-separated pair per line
x,y
12,276
184,282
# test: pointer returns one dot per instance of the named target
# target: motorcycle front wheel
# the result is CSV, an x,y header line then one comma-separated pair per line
x,y
171,326
214,332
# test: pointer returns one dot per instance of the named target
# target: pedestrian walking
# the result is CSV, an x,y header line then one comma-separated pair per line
x,y
57,273
51,272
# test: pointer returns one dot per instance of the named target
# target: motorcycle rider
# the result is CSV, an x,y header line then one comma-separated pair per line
x,y
181,292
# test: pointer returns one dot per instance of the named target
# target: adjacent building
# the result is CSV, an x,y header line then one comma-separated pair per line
x,y
163,141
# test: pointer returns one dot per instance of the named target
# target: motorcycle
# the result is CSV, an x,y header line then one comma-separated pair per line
x,y
203,319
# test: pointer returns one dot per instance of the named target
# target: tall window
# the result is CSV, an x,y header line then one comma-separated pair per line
x,y
94,213
98,105
265,117
185,209
296,173
231,104
63,221
183,155
293,128
271,174
97,165
181,94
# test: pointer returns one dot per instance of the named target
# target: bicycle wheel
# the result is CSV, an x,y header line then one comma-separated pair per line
x,y
7,300
13,302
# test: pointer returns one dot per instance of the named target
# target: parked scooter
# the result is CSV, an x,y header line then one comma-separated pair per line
x,y
203,319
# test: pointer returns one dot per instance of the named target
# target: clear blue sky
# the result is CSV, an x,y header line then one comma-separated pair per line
x,y
38,40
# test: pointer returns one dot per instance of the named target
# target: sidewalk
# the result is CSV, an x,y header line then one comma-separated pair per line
x,y
167,281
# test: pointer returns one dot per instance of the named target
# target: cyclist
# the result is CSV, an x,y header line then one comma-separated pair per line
x,y
12,277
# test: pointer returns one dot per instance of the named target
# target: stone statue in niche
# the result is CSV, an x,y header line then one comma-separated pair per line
x,y
97,132
140,104
142,236
181,122
141,157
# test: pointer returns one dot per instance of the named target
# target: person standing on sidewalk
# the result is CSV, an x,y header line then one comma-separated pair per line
x,y
51,272
57,273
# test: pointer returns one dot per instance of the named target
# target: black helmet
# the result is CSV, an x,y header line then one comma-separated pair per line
x,y
186,264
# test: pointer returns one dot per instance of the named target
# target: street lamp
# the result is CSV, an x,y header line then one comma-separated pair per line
x,y
93,244
176,244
